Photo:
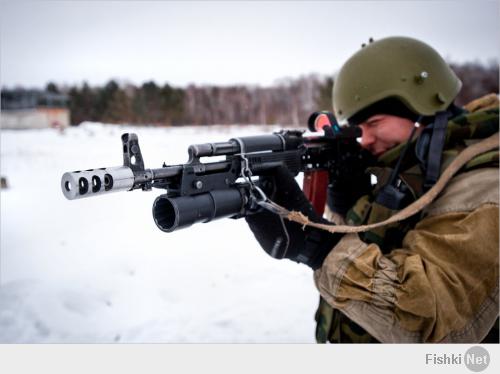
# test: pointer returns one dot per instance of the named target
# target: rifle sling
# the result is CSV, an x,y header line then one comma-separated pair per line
x,y
465,156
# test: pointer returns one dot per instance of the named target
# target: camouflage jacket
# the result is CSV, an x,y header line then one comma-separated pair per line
x,y
433,277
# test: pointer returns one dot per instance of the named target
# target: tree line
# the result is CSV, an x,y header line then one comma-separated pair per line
x,y
288,102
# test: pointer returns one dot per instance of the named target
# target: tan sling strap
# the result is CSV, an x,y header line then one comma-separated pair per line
x,y
465,156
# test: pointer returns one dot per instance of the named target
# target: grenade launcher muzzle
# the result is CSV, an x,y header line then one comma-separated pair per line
x,y
173,213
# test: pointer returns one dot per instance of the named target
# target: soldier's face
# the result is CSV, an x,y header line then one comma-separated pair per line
x,y
382,132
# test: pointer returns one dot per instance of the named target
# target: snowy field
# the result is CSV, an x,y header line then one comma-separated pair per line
x,y
99,270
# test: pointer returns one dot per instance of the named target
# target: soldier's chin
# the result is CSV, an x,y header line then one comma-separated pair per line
x,y
378,153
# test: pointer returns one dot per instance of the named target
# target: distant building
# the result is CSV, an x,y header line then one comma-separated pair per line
x,y
33,109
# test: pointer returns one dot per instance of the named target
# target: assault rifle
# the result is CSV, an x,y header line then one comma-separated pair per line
x,y
202,192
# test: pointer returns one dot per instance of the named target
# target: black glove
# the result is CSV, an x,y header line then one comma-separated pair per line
x,y
282,238
349,181
342,194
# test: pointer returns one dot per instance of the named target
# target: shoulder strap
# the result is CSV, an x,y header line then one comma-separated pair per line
x,y
434,155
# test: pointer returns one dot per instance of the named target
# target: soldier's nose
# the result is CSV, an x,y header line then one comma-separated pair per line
x,y
367,137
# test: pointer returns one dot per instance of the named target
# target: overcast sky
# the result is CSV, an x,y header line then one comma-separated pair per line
x,y
224,42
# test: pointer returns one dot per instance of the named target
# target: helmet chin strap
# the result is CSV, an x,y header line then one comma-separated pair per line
x,y
390,196
395,171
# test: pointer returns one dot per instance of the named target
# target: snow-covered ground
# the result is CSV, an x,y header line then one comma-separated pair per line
x,y
99,270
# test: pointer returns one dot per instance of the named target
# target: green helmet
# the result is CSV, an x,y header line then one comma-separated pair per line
x,y
397,67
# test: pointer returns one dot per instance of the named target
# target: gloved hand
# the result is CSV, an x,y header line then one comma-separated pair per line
x,y
282,238
349,181
342,194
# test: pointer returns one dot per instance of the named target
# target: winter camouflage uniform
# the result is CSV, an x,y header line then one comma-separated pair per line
x,y
433,277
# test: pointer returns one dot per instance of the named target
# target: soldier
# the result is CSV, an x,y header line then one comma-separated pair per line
x,y
432,277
